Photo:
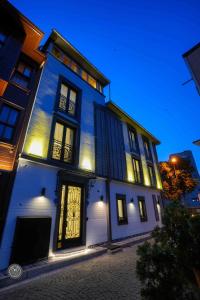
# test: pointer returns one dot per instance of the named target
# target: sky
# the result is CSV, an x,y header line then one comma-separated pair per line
x,y
138,45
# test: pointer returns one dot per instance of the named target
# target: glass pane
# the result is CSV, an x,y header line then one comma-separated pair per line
x,y
84,75
56,52
64,90
58,134
133,140
27,71
68,147
74,67
92,81
138,170
63,102
4,113
72,102
120,209
73,216
13,117
22,81
8,133
67,61
141,209
57,141
21,67
72,96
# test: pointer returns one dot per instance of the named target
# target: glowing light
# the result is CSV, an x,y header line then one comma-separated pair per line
x,y
86,164
174,160
36,148
129,167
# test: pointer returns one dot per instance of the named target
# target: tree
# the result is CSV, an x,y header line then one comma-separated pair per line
x,y
177,180
167,265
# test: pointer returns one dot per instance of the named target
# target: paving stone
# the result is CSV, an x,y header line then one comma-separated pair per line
x,y
103,278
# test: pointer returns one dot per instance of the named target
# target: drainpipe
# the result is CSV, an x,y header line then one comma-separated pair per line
x,y
108,212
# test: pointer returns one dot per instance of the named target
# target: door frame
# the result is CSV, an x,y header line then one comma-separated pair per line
x,y
76,181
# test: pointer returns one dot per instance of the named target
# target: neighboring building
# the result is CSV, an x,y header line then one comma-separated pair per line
x,y
87,172
191,200
192,60
20,62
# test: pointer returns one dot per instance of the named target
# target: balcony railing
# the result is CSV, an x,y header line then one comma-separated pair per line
x,y
62,152
67,106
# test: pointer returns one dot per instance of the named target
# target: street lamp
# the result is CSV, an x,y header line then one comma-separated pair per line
x,y
173,160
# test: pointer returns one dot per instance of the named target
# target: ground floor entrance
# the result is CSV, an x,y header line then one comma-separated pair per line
x,y
71,216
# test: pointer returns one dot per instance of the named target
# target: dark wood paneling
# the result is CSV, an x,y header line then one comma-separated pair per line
x,y
110,153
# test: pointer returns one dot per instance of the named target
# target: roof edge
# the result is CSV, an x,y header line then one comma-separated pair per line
x,y
111,103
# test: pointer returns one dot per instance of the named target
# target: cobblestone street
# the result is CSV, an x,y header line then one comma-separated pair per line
x,y
105,277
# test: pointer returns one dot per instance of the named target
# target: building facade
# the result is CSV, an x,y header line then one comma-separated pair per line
x,y
20,62
87,172
191,200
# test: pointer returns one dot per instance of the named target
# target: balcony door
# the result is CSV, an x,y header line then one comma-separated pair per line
x,y
70,216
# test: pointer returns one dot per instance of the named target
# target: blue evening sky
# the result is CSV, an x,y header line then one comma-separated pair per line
x,y
138,45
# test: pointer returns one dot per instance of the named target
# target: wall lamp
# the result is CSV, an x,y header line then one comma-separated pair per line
x,y
43,191
101,198
132,200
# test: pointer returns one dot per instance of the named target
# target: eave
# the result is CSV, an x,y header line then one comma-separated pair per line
x,y
69,49
126,118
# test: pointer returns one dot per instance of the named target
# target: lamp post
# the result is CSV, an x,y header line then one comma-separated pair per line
x,y
173,160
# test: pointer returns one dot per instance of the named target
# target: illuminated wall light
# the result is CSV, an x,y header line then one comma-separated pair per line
x,y
132,201
86,164
101,198
36,148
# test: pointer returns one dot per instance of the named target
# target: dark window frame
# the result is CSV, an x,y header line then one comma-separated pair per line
x,y
6,124
155,202
71,86
145,217
24,77
137,158
132,150
123,221
148,157
153,178
51,144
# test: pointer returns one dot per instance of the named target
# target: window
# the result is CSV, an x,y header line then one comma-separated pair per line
x,y
137,170
2,39
142,209
133,141
151,175
8,121
155,205
63,141
67,101
121,209
22,74
92,81
147,149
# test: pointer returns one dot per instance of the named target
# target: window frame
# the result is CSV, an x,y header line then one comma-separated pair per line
x,y
153,179
6,124
22,75
156,212
136,158
51,144
123,221
70,86
148,157
137,150
145,217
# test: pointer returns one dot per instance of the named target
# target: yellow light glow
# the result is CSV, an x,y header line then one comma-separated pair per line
x,y
86,164
36,148
174,160
129,167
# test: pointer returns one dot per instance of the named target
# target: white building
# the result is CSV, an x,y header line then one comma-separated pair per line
x,y
87,173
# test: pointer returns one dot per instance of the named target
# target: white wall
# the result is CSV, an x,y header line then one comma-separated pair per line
x,y
26,201
134,226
